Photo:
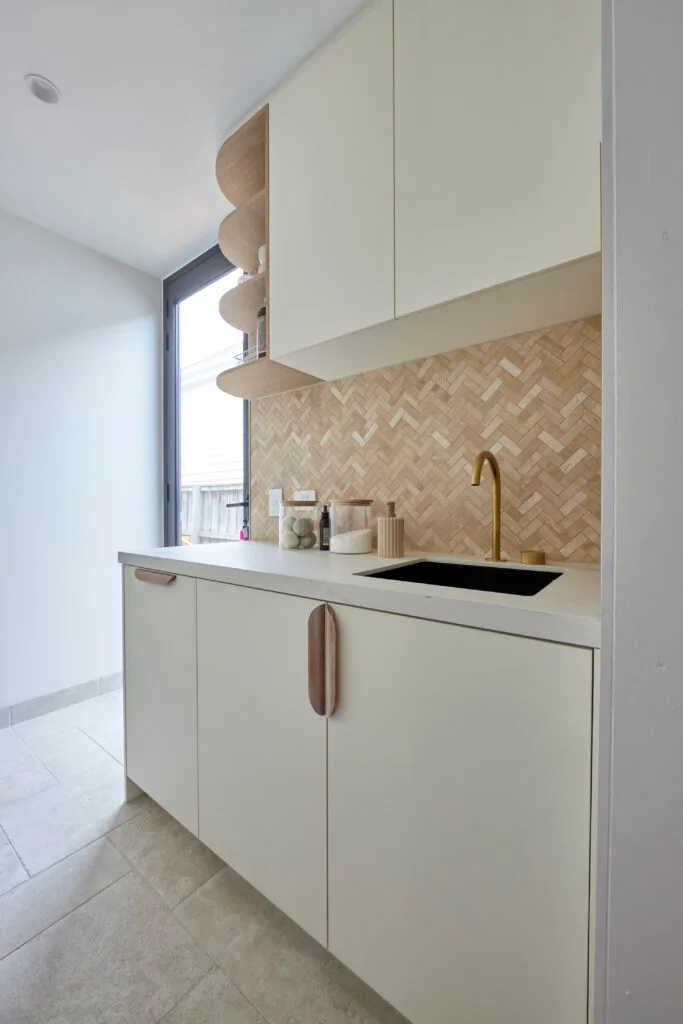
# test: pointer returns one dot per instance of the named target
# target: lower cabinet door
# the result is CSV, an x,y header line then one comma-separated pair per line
x,y
459,820
262,748
160,687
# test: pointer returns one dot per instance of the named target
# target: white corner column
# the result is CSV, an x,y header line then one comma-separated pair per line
x,y
638,973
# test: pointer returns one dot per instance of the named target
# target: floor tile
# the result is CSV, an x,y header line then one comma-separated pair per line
x,y
67,753
12,872
274,966
49,826
103,723
43,900
270,959
214,1001
21,773
339,997
225,908
109,735
120,958
166,854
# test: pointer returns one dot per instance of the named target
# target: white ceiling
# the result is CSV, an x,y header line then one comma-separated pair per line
x,y
124,163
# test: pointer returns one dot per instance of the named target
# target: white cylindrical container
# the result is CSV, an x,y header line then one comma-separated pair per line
x,y
298,525
351,527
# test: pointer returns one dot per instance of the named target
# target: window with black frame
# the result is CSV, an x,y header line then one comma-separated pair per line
x,y
206,432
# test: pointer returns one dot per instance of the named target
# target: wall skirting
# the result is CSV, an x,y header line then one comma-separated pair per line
x,y
38,706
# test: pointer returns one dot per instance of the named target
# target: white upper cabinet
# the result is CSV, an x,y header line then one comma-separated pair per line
x,y
439,158
498,127
331,196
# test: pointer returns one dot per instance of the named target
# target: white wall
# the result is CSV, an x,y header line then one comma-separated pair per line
x,y
640,937
80,440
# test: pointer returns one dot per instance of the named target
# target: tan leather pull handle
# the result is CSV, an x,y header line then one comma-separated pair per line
x,y
322,660
330,661
316,659
162,579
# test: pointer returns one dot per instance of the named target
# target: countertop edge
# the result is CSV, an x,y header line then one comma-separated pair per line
x,y
556,627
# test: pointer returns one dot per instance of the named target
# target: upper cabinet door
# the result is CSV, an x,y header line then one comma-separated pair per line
x,y
331,208
498,127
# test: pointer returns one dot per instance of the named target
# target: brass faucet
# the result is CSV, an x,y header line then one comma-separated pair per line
x,y
489,457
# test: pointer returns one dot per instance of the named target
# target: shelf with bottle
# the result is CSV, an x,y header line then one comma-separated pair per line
x,y
242,173
239,307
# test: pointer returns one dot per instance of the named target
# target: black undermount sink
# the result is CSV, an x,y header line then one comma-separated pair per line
x,y
496,579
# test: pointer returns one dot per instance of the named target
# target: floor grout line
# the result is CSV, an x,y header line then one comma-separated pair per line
x,y
212,963
90,842
98,744
31,751
19,858
40,761
172,910
261,1013
282,1006
43,789
186,994
64,916
39,874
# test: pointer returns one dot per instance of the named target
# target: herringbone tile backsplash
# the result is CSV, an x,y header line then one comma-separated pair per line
x,y
409,434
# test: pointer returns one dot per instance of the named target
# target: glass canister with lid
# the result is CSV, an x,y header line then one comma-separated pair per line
x,y
351,526
298,525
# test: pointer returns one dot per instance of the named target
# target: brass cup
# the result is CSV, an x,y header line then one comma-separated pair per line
x,y
533,557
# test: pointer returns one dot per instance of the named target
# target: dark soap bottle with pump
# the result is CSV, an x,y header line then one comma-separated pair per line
x,y
324,529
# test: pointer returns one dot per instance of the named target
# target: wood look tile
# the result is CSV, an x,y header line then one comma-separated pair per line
x,y
409,434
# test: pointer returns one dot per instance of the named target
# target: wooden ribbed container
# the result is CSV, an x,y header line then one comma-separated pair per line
x,y
390,534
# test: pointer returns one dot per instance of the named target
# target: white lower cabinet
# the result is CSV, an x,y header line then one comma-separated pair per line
x,y
434,832
160,688
262,748
459,820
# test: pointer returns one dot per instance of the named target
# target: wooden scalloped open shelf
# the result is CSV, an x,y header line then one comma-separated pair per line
x,y
262,377
241,161
239,307
242,173
243,231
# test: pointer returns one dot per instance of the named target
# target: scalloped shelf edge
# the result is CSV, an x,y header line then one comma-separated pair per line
x,y
243,231
239,307
241,160
261,378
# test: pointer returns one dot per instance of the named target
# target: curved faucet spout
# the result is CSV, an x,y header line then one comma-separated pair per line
x,y
477,467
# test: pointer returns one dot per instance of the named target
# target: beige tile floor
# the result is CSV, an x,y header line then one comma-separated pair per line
x,y
112,913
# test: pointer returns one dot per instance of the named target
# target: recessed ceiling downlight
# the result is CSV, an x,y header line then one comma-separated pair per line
x,y
42,88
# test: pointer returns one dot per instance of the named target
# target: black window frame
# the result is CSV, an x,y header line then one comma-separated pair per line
x,y
201,272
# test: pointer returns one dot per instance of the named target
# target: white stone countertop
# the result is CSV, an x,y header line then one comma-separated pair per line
x,y
567,611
